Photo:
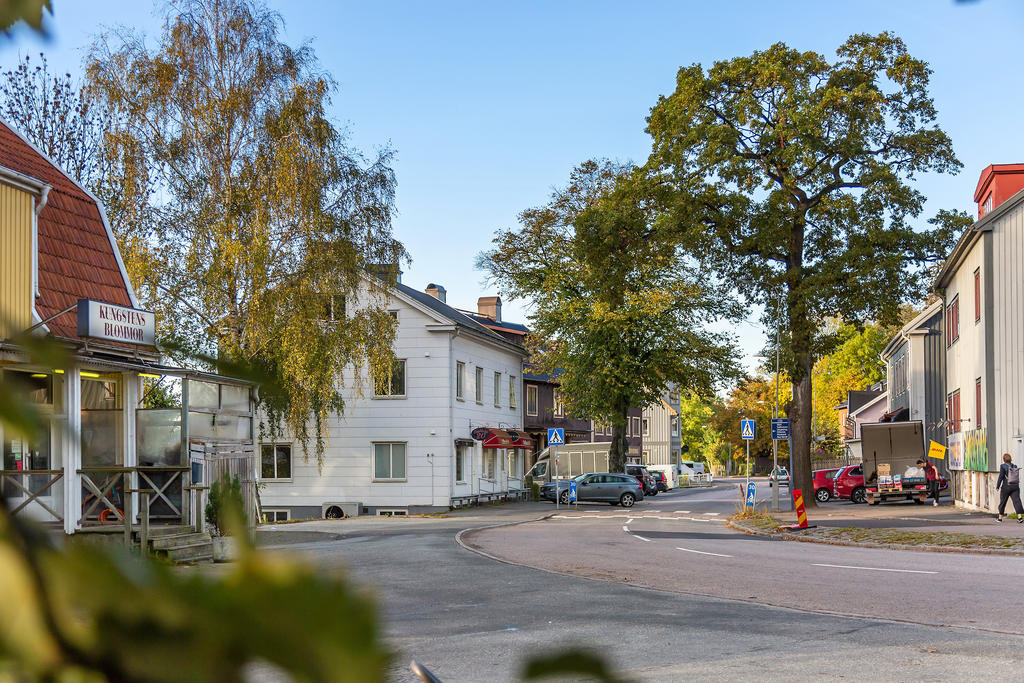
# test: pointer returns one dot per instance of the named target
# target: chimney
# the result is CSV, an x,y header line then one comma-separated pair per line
x,y
489,307
998,183
436,291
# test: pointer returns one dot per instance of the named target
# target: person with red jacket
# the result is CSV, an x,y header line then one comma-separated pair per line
x,y
931,479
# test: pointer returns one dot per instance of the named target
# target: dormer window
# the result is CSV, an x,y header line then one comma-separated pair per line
x,y
986,206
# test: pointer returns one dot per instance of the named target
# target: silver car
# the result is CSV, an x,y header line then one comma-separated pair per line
x,y
597,487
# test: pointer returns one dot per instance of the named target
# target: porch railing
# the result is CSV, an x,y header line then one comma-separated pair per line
x,y
14,478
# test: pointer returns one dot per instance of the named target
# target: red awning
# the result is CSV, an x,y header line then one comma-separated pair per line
x,y
500,438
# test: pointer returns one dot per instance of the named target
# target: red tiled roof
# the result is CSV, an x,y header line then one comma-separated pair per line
x,y
76,257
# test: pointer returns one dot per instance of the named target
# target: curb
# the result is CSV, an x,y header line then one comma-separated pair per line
x,y
780,536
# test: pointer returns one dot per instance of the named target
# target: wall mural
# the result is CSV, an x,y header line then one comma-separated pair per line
x,y
976,450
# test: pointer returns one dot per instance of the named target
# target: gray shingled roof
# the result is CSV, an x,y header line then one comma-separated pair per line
x,y
447,311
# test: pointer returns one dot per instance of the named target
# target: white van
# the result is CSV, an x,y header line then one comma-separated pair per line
x,y
689,472
669,471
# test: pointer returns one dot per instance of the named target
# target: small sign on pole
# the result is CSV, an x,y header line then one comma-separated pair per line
x,y
556,436
572,490
751,494
748,428
780,428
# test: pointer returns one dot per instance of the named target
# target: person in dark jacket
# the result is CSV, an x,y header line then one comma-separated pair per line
x,y
1008,486
931,478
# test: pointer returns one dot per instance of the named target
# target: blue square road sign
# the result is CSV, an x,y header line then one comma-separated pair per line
x,y
556,436
748,428
780,428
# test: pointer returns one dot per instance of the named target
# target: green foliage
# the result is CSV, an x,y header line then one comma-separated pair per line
x,y
535,492
224,504
28,11
97,613
854,365
616,306
790,176
753,397
245,219
577,664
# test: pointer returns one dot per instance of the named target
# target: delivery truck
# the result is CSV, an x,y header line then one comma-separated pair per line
x,y
890,454
573,459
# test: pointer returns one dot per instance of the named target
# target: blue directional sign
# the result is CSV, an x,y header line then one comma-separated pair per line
x,y
748,428
556,436
780,428
751,493
572,490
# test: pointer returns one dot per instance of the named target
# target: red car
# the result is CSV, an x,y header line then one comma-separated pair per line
x,y
849,483
823,483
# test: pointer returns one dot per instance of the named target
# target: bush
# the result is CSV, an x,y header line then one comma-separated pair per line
x,y
225,501
535,492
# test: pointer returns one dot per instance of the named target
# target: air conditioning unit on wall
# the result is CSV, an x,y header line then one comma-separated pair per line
x,y
339,510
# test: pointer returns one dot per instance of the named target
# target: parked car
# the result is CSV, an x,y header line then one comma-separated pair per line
x,y
596,487
644,477
781,475
660,480
824,481
849,484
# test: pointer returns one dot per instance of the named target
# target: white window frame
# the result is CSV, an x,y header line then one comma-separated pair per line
x,y
634,426
645,427
460,380
405,383
532,389
276,511
674,424
479,388
512,392
460,463
489,456
497,390
559,403
373,461
291,461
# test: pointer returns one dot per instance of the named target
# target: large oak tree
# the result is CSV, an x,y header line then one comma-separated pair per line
x,y
615,305
791,176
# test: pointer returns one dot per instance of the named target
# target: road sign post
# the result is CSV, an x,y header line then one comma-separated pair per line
x,y
556,438
748,428
780,432
572,490
751,494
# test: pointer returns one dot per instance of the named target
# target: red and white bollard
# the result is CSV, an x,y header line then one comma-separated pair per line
x,y
801,513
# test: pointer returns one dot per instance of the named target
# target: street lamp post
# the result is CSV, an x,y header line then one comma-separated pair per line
x,y
775,442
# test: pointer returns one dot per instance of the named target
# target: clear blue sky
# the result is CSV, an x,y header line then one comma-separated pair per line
x,y
489,106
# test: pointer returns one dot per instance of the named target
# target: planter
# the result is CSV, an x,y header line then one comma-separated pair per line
x,y
225,549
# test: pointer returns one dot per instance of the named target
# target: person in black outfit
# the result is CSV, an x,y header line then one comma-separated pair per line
x,y
1008,486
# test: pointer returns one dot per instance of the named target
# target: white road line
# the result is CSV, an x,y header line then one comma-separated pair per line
x,y
681,512
874,569
701,552
629,521
712,513
625,528
640,537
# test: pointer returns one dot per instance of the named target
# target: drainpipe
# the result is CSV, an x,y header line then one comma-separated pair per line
x,y
43,198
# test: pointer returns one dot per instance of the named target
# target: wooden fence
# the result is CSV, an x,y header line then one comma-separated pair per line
x,y
213,462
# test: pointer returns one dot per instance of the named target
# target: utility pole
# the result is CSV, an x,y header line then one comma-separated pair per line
x,y
775,442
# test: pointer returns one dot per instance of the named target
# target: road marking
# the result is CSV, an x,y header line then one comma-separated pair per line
x,y
640,537
712,513
681,512
874,569
625,528
701,552
629,521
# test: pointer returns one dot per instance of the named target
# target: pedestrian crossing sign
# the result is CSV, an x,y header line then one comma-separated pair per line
x,y
747,428
556,436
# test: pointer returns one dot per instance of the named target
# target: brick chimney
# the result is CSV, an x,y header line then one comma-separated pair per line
x,y
437,291
998,183
489,307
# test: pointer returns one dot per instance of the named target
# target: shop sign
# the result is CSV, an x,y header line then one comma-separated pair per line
x,y
100,320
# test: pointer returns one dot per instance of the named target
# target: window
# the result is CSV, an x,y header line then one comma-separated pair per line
x,y
531,399
986,206
394,384
479,388
899,375
276,461
953,411
953,321
977,295
512,392
460,460
271,516
389,462
497,390
636,426
559,404
490,463
674,421
460,380
646,427
977,403
330,308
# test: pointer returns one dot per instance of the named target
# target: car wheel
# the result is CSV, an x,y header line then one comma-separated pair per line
x,y
858,495
564,497
627,500
823,495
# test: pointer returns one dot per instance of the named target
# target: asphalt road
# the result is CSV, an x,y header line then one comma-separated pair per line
x,y
471,618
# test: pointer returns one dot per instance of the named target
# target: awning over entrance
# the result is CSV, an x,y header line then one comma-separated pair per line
x,y
493,437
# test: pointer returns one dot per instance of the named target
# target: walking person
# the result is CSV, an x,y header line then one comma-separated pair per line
x,y
931,478
1008,486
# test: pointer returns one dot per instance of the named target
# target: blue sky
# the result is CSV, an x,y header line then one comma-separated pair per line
x,y
489,106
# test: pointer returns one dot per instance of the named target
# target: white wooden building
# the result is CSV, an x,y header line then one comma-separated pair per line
x,y
660,431
448,433
984,339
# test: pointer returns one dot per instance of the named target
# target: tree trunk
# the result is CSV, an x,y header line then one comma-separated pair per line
x,y
801,407
619,448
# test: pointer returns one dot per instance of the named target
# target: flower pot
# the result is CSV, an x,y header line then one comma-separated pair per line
x,y
225,549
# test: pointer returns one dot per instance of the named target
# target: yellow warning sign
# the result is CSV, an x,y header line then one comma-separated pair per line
x,y
936,450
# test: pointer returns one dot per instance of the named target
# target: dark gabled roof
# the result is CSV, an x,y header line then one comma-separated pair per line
x,y
447,311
